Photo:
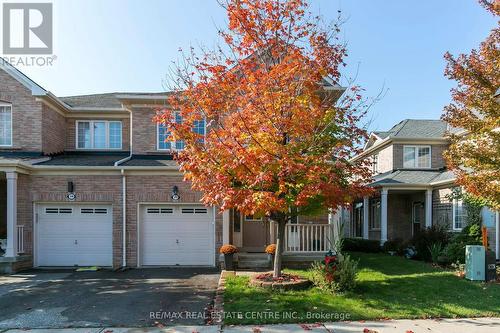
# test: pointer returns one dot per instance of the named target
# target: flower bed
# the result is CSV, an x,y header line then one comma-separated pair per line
x,y
285,282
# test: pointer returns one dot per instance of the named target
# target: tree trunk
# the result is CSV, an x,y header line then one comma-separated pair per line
x,y
280,243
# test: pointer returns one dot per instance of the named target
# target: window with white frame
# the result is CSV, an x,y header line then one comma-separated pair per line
x,y
459,214
375,214
5,125
375,164
162,134
98,134
417,157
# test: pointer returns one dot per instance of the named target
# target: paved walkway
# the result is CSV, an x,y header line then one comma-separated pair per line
x,y
480,325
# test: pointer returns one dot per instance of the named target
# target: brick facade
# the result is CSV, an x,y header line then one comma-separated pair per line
x,y
26,115
144,131
54,131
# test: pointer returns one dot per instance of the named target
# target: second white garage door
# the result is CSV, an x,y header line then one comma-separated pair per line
x,y
176,235
74,234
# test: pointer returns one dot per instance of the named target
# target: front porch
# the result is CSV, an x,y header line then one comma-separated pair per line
x,y
12,249
392,213
307,239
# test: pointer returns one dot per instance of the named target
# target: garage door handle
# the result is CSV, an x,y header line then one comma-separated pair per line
x,y
76,241
177,241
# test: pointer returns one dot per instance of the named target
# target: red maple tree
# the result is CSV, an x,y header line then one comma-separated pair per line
x,y
474,153
279,140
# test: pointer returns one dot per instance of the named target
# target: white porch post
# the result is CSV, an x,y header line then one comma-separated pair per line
x,y
428,208
11,250
225,227
383,216
366,203
497,234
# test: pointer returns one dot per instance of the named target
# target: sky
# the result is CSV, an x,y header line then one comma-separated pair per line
x,y
395,47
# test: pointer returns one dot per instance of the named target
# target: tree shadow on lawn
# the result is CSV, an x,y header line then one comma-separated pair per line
x,y
417,294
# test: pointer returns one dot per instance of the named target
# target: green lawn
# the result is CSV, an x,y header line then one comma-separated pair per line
x,y
388,287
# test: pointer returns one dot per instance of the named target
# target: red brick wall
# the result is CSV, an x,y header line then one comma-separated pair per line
x,y
26,114
144,131
54,131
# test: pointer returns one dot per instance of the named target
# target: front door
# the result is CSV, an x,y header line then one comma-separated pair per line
x,y
255,234
418,215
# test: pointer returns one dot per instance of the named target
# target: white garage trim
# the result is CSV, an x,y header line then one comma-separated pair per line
x,y
73,215
139,223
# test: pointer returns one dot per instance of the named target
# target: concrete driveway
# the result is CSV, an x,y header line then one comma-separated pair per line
x,y
59,299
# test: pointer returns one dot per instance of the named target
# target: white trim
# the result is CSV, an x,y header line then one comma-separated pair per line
x,y
366,217
415,156
383,215
91,133
428,208
11,122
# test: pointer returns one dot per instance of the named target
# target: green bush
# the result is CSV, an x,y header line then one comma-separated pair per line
x,y
394,245
435,251
424,239
338,278
361,245
470,235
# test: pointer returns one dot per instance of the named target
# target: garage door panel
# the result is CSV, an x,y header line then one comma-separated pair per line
x,y
69,235
181,235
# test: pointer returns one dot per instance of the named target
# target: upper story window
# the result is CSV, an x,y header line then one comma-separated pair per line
x,y
98,134
459,214
375,164
5,125
416,156
162,134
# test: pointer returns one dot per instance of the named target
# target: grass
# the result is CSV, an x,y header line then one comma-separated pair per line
x,y
388,287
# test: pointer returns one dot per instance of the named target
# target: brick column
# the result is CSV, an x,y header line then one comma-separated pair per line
x,y
11,250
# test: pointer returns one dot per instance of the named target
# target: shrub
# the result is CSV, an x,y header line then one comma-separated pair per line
x,y
271,249
424,239
435,251
228,249
394,245
470,235
361,245
335,276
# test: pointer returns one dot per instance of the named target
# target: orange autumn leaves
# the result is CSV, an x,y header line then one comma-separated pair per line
x,y
276,136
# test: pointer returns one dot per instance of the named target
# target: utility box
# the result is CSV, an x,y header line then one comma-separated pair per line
x,y
474,262
491,266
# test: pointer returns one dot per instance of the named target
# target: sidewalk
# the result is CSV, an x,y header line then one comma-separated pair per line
x,y
465,325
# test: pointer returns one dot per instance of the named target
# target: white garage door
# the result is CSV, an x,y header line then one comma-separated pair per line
x,y
69,235
176,235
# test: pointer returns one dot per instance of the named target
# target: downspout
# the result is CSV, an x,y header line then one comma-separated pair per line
x,y
124,195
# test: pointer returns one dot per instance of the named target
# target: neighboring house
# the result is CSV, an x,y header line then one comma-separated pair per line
x,y
89,180
412,185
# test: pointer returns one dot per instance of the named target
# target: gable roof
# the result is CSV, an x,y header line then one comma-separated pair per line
x,y
416,129
108,100
412,177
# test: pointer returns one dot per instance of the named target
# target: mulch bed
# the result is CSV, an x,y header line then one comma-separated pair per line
x,y
285,282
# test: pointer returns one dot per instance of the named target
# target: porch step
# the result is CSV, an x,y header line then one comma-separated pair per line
x,y
253,260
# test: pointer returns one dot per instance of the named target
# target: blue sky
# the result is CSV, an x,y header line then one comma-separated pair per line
x,y
128,45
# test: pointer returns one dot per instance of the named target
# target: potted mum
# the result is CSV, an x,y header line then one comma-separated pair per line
x,y
271,250
228,250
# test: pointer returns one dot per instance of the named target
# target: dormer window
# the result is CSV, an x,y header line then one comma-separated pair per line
x,y
417,157
5,125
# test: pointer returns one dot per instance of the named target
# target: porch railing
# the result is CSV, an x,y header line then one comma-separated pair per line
x,y
20,239
308,237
